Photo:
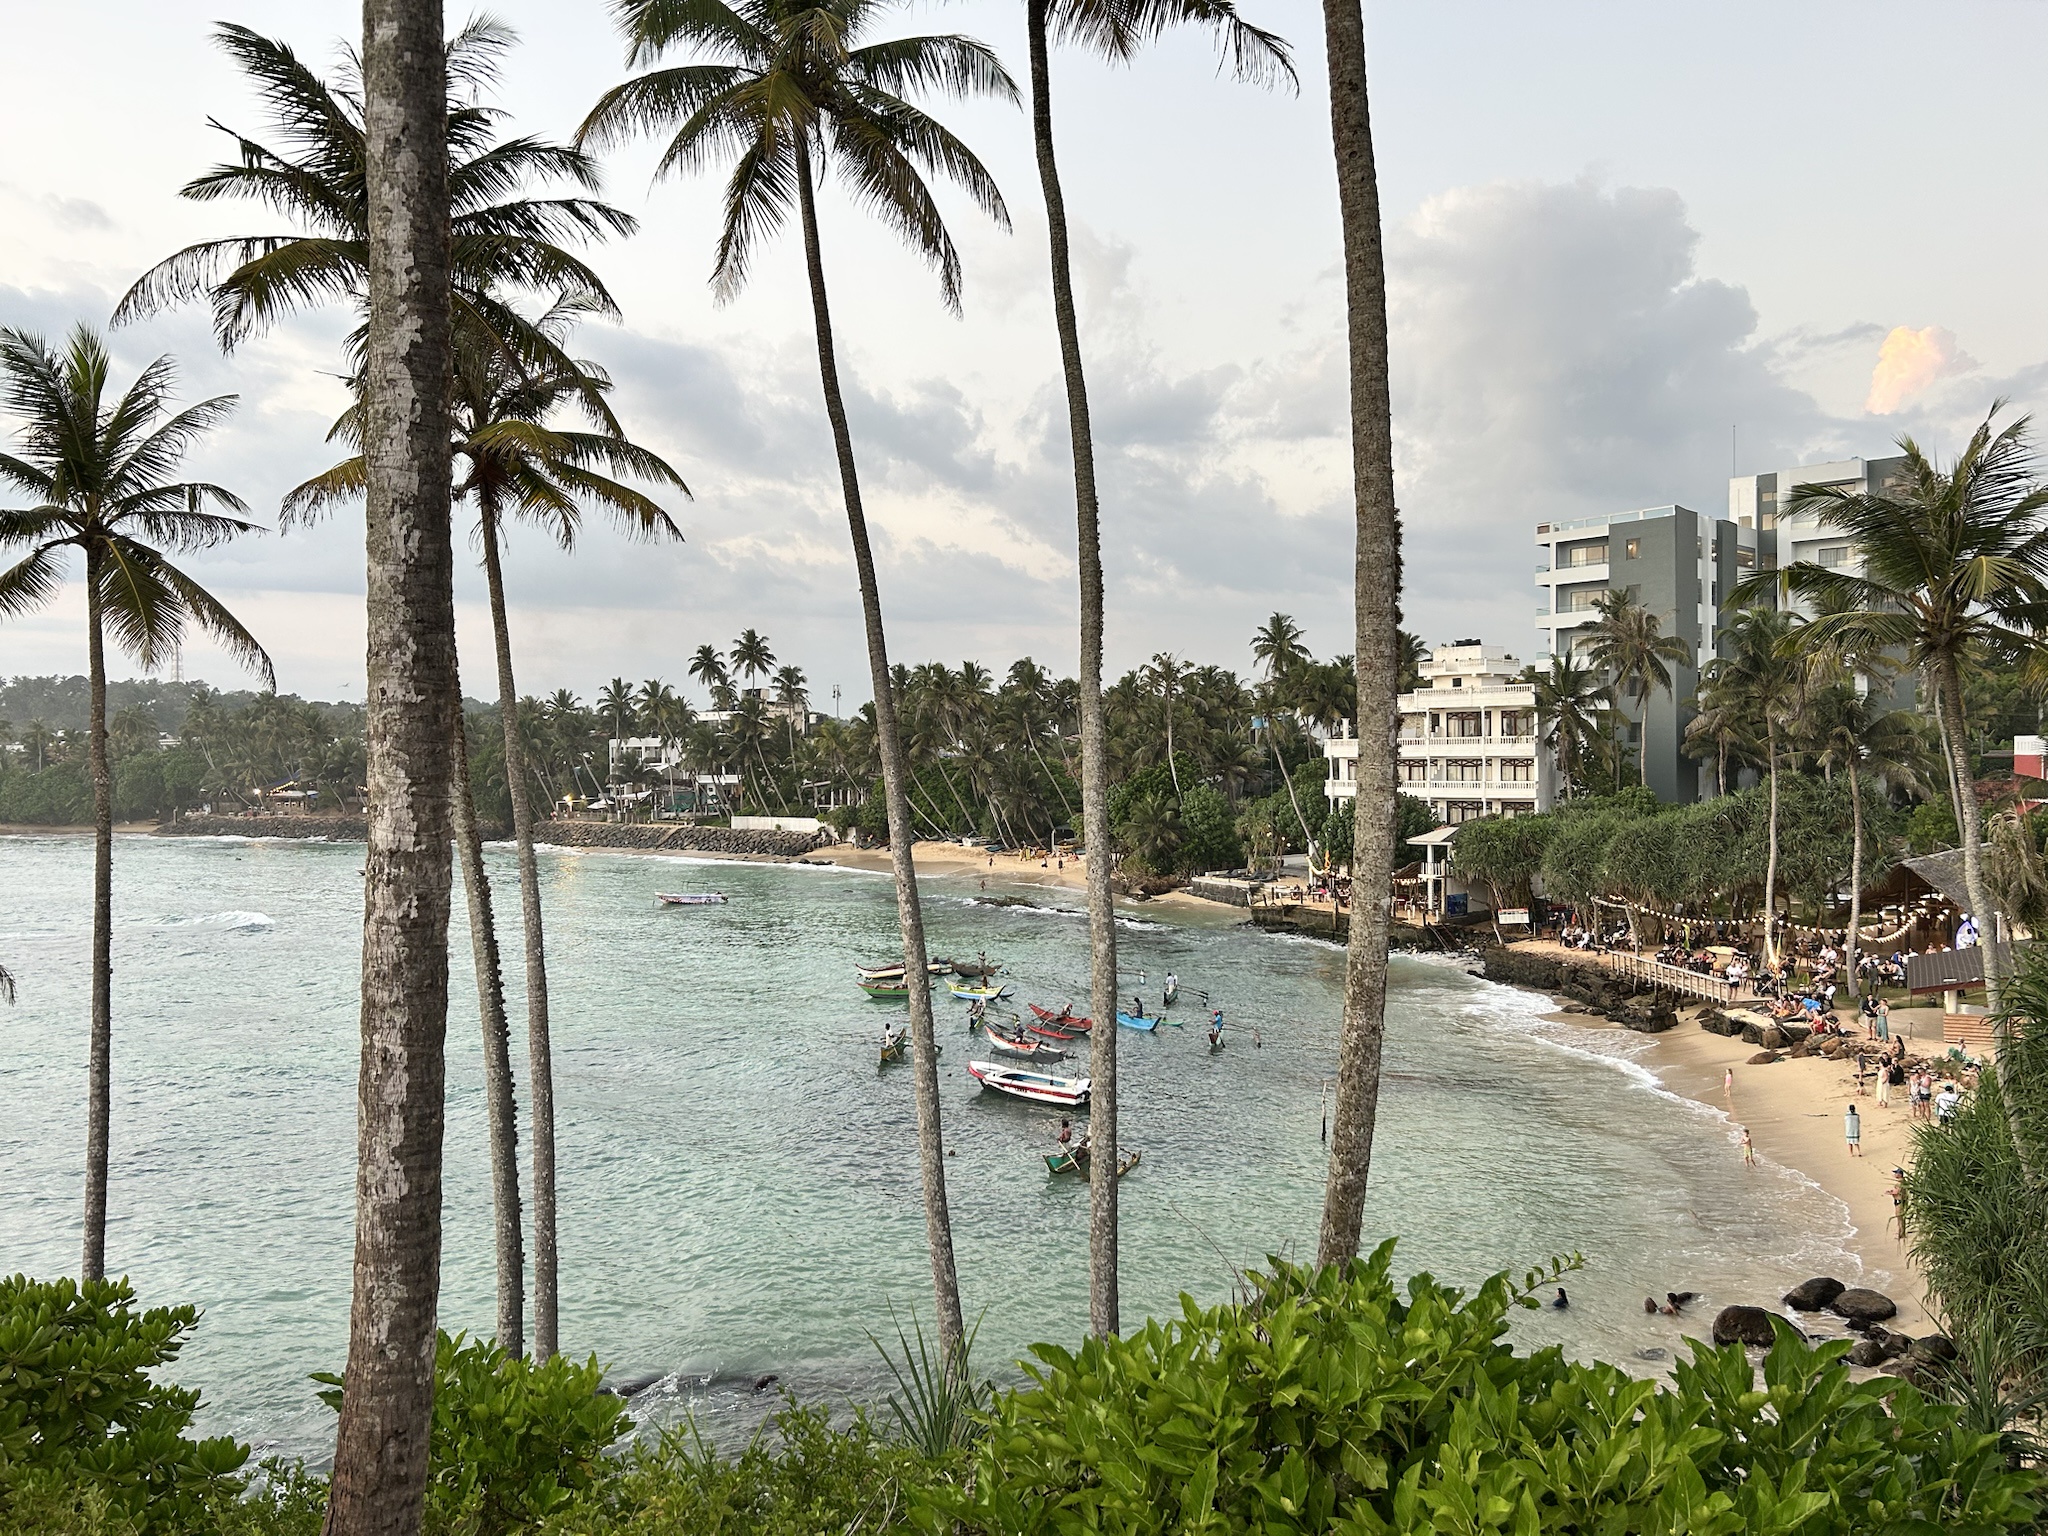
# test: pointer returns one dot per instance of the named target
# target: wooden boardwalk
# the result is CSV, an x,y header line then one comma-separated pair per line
x,y
1675,978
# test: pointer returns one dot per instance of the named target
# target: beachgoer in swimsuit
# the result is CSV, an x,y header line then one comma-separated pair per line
x,y
1852,1127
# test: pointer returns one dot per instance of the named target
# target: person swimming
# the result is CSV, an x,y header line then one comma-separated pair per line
x,y
1562,1301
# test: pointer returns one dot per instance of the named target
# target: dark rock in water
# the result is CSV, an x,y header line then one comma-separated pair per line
x,y
1893,1344
1815,1294
1764,1058
1907,1369
1744,1325
1867,1353
1935,1349
766,1382
633,1386
1652,1353
1860,1305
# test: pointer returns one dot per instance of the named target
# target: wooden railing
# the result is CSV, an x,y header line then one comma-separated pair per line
x,y
1674,978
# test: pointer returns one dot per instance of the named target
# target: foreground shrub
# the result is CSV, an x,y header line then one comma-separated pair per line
x,y
1330,1402
799,1477
84,1426
513,1441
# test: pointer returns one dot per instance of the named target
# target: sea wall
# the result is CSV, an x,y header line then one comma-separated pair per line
x,y
663,836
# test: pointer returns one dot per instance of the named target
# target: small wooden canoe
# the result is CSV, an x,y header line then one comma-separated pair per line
x,y
1132,1021
1035,1087
1066,1018
1047,1032
690,898
1017,1045
880,970
895,991
976,967
982,993
1077,1161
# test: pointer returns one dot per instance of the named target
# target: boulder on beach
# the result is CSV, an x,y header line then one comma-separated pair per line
x,y
1815,1294
1935,1349
1745,1325
1867,1353
1861,1305
1719,1023
1763,1058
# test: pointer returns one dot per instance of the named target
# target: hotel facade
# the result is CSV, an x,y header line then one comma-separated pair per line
x,y
1468,743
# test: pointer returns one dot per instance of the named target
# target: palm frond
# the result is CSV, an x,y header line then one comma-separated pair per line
x,y
347,481
33,582
947,65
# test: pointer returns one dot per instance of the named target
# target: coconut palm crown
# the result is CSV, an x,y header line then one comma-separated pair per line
x,y
316,179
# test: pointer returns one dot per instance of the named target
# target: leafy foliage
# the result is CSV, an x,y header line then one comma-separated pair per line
x,y
83,1421
1329,1401
512,1441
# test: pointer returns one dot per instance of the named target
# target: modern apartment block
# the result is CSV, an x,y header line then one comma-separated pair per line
x,y
1467,743
1681,564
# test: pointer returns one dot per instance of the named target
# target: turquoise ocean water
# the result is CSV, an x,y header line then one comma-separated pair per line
x,y
738,1179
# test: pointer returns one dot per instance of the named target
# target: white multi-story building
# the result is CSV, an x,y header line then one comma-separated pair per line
x,y
1467,744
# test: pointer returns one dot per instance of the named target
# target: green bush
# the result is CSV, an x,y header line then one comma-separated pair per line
x,y
81,1419
799,1477
513,1441
1330,1402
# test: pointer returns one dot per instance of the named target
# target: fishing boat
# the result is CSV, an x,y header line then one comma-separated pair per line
x,y
1132,1021
1017,1045
880,970
986,994
1077,1161
1066,1019
1171,994
1036,1087
1047,1032
690,898
982,966
887,990
896,1046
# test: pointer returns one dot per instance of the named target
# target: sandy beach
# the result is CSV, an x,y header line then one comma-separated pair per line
x,y
1794,1109
1067,872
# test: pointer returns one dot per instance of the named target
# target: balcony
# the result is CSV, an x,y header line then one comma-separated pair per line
x,y
1461,743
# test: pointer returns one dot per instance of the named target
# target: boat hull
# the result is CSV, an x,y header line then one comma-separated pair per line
x,y
690,898
1131,1021
1065,1019
1033,1087
1030,1050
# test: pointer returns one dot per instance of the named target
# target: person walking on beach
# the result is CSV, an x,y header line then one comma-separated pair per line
x,y
1852,1127
1899,1202
1884,1082
1728,1082
1748,1149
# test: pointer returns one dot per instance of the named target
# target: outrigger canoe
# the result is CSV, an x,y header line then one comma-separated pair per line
x,y
1077,1161
1036,1087
972,993
1016,1045
690,898
1066,1018
1047,1032
896,1046
889,990
1132,1021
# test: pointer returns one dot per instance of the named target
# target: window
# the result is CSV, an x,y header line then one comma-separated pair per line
x,y
1592,552
1465,723
1518,722
1745,559
1457,682
1517,771
1833,554
1580,599
1632,549
1467,771
1414,773
1459,812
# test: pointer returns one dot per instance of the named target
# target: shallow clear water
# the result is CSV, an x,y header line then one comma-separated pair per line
x,y
738,1180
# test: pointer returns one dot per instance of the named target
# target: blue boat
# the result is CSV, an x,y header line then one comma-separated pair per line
x,y
1132,1021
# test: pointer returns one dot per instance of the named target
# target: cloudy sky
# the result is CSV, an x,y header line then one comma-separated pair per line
x,y
1628,246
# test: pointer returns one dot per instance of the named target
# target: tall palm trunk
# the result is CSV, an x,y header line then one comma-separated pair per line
x,y
1103,1301
1948,702
938,1224
540,1056
1643,744
100,1059
1172,769
1376,596
1849,949
500,1105
1771,855
380,1457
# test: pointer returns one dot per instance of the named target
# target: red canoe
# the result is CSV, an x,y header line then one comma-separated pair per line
x,y
1064,1019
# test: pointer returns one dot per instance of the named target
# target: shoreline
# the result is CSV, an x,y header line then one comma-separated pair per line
x,y
1793,1109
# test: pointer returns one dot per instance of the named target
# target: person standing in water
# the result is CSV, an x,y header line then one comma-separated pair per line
x,y
1748,1149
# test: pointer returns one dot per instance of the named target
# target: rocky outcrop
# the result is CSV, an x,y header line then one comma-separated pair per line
x,y
1583,988
309,828
1745,1325
1935,1349
566,834
1814,1295
1861,1307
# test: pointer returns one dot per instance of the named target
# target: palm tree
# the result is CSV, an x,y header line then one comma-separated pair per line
x,y
1164,675
1721,724
751,657
795,79
1114,30
1955,573
97,475
1854,737
1413,654
708,667
616,708
1571,715
1762,671
793,694
317,180
521,463
1627,642
1377,601
413,703
1277,646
